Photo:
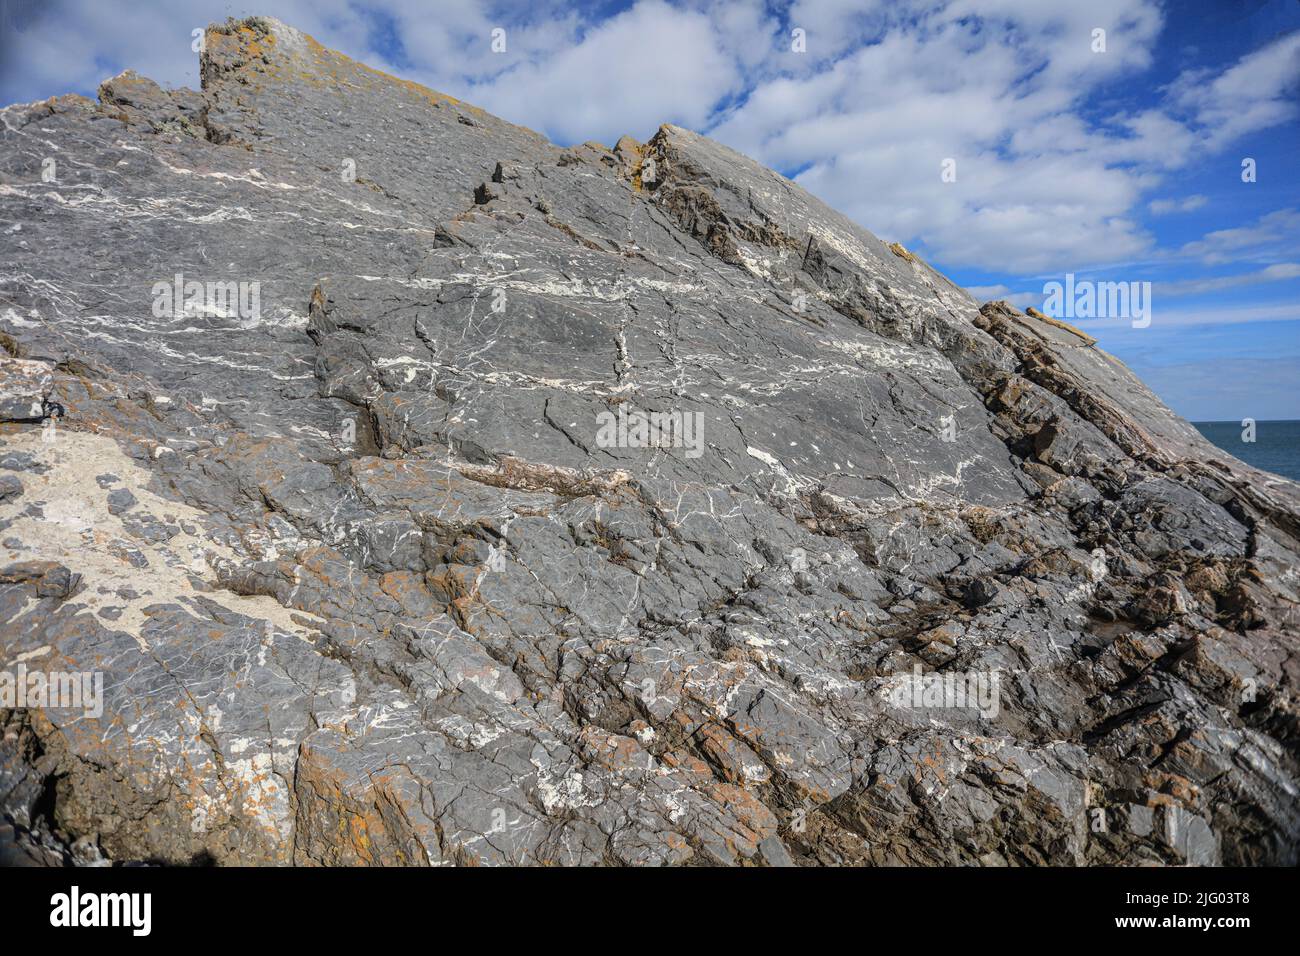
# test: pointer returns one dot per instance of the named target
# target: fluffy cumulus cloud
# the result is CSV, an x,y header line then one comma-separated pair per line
x,y
995,91
624,60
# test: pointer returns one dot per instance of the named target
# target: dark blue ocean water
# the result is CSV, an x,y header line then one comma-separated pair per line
x,y
1276,447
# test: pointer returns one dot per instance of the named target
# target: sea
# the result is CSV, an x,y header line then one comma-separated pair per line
x,y
1276,447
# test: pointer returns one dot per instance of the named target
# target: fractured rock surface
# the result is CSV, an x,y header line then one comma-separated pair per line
x,y
366,585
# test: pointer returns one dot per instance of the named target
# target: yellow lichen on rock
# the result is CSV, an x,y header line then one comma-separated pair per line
x,y
1088,339
897,249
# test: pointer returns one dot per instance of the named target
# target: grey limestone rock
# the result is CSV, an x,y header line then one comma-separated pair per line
x,y
426,493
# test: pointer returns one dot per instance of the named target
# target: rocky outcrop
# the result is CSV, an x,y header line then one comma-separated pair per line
x,y
426,493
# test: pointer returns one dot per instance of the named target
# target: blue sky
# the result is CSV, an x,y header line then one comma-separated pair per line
x,y
1122,164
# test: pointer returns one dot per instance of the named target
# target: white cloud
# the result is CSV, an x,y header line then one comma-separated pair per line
x,y
1255,93
1036,187
1163,207
999,86
1271,235
833,26
649,65
1210,315
1278,272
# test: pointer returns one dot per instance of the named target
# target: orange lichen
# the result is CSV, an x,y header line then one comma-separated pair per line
x,y
897,249
432,96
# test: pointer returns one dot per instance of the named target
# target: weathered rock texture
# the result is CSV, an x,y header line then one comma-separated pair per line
x,y
366,587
